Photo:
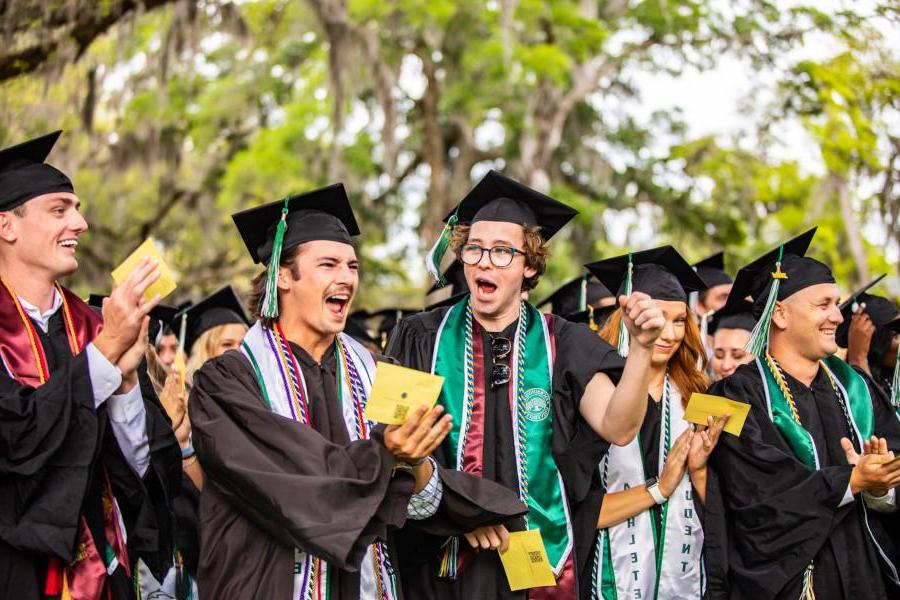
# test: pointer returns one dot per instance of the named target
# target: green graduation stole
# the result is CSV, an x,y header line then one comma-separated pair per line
x,y
540,484
850,389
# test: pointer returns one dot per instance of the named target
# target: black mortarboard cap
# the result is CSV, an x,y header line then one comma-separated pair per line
x,y
595,318
322,214
356,327
662,273
712,270
449,301
220,308
499,198
880,309
566,299
24,174
736,314
161,317
756,279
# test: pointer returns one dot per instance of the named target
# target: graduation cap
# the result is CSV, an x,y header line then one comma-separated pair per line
x,y
220,308
449,301
161,317
24,174
595,318
576,295
661,273
736,314
499,198
881,310
712,270
775,276
270,229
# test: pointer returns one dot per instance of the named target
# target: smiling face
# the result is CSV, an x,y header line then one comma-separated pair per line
x,y
43,234
317,290
807,320
497,290
728,351
673,332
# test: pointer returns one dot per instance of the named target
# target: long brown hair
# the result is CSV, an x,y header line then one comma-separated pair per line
x,y
683,369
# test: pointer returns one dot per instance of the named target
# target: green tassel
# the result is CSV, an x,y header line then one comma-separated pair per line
x,y
759,337
582,297
895,386
436,254
623,331
269,308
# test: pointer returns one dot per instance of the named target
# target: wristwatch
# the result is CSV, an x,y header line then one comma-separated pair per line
x,y
652,486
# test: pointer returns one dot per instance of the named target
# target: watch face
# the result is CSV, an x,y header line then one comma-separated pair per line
x,y
652,481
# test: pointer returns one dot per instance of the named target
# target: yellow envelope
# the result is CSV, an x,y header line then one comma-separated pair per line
x,y
701,406
398,391
525,561
163,286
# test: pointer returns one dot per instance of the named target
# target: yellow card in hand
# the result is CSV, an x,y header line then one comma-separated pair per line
x,y
703,405
163,286
525,561
397,392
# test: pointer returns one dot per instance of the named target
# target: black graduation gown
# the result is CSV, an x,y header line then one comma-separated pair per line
x,y
767,514
580,353
54,446
273,484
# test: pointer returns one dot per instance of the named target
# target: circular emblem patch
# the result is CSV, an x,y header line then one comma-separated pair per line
x,y
537,404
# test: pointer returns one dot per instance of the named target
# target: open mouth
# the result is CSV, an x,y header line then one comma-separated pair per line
x,y
337,304
828,332
69,244
485,287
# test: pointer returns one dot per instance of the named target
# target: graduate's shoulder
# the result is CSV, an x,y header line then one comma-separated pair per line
x,y
230,366
743,385
428,321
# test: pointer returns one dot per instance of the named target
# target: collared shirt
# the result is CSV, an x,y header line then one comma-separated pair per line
x,y
127,414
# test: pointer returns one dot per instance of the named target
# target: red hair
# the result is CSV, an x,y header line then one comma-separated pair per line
x,y
683,370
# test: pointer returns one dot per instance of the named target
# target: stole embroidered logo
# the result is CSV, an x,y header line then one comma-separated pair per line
x,y
536,404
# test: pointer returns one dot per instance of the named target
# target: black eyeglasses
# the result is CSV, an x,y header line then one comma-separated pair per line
x,y
501,256
500,373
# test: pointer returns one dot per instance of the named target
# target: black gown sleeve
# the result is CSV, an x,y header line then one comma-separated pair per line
x,y
767,514
48,440
330,500
580,355
147,503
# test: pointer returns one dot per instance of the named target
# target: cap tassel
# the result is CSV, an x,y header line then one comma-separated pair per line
x,y
759,337
895,385
704,334
591,322
582,296
623,330
437,252
269,308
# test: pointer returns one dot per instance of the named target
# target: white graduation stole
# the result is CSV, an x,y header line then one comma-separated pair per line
x,y
631,560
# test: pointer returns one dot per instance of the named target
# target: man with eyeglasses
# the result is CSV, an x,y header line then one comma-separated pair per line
x,y
529,395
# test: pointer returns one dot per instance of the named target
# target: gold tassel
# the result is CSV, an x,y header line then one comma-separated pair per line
x,y
808,593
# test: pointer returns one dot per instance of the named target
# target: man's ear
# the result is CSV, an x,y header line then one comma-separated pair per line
x,y
780,315
530,272
8,231
284,278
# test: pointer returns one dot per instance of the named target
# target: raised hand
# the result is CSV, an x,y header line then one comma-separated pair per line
x,y
490,537
676,463
124,311
642,317
419,436
859,339
174,400
704,442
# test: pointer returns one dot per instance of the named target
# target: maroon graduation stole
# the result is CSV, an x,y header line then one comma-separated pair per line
x,y
23,357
